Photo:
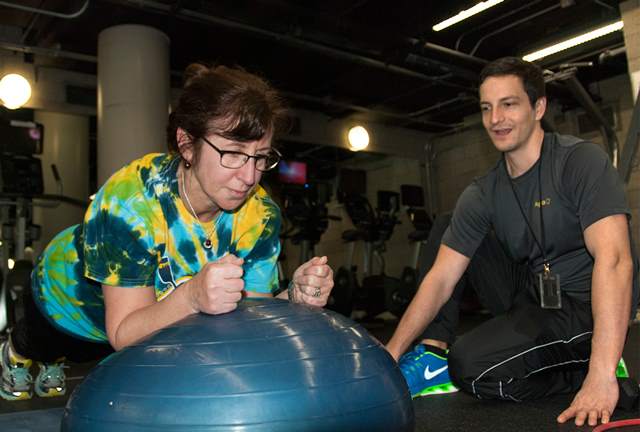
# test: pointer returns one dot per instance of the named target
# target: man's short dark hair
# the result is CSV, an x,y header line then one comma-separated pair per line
x,y
529,73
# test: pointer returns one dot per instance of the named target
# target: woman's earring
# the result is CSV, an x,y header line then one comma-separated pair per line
x,y
187,164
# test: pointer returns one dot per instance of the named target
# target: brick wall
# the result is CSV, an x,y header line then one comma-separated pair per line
x,y
458,158
630,11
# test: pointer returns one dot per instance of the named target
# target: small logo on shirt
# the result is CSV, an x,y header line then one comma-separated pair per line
x,y
543,203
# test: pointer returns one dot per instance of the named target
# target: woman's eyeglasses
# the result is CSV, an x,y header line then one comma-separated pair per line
x,y
236,159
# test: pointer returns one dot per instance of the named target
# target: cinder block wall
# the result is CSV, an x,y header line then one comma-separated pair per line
x,y
458,159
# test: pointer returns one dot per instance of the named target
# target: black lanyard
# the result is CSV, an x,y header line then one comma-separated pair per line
x,y
541,245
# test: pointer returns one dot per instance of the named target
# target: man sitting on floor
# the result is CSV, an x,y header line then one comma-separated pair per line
x,y
545,239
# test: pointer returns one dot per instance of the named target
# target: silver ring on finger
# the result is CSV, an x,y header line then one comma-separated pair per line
x,y
317,292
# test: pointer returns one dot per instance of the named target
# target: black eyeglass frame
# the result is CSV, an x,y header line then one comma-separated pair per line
x,y
247,157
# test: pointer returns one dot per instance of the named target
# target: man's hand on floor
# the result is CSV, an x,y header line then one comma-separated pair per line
x,y
596,400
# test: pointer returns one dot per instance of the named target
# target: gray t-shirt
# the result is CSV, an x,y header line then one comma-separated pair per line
x,y
579,186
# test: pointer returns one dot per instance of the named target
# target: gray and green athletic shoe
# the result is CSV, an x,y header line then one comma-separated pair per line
x,y
16,379
50,381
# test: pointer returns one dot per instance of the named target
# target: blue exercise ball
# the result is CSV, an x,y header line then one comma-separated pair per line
x,y
267,366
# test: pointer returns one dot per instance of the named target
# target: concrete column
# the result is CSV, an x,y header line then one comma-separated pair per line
x,y
66,144
133,95
630,11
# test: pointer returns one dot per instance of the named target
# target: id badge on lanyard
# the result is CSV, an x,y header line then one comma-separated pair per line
x,y
549,289
548,283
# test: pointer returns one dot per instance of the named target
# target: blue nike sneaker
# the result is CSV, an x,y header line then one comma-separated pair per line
x,y
426,372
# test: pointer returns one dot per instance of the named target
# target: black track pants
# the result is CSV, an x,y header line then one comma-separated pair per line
x,y
34,337
524,352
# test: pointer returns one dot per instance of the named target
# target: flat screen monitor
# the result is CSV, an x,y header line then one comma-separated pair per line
x,y
21,137
292,172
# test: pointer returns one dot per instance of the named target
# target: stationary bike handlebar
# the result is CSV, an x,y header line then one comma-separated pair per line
x,y
375,227
44,197
56,198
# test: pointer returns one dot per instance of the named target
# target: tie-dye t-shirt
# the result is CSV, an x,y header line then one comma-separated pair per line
x,y
137,232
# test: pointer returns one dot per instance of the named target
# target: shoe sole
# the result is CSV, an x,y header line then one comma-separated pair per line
x,y
50,394
437,390
12,397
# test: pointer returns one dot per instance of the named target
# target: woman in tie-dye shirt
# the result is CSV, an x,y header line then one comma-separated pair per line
x,y
167,236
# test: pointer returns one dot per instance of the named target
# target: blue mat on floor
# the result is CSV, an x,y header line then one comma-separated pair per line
x,y
47,420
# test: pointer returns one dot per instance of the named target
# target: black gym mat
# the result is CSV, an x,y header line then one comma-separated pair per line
x,y
460,412
444,413
457,412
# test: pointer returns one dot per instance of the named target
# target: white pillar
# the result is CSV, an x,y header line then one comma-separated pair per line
x,y
133,95
66,144
630,11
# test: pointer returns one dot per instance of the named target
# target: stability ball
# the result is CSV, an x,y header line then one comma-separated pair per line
x,y
267,366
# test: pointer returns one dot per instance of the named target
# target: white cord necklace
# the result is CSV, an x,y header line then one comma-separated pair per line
x,y
207,242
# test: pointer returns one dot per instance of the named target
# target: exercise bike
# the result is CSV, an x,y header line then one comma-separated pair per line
x,y
21,189
306,213
373,229
412,199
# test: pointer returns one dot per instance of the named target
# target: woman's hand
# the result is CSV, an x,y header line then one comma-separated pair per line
x,y
217,288
312,282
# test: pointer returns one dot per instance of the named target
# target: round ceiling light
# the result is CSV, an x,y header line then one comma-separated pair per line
x,y
15,91
358,138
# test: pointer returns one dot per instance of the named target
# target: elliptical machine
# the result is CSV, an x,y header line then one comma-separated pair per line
x,y
20,181
373,229
413,199
306,210
21,189
378,288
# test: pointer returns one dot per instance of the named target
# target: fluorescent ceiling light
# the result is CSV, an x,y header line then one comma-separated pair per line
x,y
463,15
577,40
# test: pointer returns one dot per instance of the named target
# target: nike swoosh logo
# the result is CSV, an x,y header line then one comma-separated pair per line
x,y
428,375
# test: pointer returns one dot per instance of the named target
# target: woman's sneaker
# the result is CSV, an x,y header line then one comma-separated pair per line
x,y
50,381
426,371
16,379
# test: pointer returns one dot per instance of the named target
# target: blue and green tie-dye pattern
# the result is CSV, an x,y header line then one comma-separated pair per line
x,y
137,232
70,301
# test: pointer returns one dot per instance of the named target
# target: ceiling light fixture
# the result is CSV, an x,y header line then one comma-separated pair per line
x,y
574,41
358,138
463,15
15,91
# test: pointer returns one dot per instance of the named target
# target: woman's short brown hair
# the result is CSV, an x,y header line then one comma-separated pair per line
x,y
227,101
